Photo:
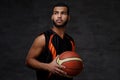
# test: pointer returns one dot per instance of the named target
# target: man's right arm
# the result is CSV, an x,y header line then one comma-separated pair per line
x,y
35,51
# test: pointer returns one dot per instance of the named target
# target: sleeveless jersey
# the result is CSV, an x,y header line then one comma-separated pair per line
x,y
54,45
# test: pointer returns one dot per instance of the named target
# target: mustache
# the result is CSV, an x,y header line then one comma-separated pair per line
x,y
63,25
59,20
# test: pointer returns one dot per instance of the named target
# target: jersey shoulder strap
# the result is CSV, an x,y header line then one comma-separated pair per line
x,y
49,45
71,41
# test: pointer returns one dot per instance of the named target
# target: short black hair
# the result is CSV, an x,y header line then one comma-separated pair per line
x,y
61,5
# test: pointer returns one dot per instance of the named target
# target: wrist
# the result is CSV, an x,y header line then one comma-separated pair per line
x,y
47,68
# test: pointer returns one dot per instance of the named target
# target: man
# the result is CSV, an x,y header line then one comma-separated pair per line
x,y
45,48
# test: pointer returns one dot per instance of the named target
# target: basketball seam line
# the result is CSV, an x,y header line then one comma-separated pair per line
x,y
67,59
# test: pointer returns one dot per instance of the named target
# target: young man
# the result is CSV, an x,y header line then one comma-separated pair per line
x,y
45,48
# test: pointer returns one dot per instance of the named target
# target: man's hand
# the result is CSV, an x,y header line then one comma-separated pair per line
x,y
54,68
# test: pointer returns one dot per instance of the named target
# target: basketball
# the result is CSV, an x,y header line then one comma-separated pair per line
x,y
72,62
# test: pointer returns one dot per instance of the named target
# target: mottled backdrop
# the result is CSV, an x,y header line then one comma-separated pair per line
x,y
94,24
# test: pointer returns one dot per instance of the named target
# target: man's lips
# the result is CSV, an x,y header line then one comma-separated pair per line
x,y
59,21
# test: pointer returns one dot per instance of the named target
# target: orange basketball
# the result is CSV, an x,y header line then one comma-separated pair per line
x,y
72,62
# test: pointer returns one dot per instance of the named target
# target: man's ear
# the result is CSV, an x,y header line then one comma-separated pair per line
x,y
52,17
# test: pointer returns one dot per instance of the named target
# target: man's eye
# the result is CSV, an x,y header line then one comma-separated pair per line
x,y
64,13
55,13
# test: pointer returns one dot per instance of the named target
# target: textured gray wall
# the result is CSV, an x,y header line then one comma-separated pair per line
x,y
94,25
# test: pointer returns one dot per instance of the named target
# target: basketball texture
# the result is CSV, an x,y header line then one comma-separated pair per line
x,y
72,62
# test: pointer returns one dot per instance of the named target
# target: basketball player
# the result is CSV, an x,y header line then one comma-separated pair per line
x,y
45,48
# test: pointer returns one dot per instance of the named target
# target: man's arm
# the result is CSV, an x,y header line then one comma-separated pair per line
x,y
35,51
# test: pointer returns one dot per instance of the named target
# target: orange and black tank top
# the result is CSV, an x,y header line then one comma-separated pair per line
x,y
54,46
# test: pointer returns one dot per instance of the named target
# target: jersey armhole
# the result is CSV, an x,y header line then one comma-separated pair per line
x,y
46,40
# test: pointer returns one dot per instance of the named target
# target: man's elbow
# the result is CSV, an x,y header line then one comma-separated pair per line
x,y
27,62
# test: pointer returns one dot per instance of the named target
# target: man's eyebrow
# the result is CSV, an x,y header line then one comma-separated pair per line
x,y
55,11
60,11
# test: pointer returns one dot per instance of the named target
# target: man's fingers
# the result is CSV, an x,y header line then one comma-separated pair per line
x,y
61,66
60,72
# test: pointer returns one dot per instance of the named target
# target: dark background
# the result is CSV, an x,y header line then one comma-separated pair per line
x,y
94,25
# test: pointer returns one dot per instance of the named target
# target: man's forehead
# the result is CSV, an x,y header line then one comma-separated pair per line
x,y
60,8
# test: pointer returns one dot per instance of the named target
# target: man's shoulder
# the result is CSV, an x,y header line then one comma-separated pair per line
x,y
46,32
40,37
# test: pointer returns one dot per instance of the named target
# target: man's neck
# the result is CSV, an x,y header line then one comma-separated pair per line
x,y
59,31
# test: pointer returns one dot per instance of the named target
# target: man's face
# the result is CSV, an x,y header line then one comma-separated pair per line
x,y
60,16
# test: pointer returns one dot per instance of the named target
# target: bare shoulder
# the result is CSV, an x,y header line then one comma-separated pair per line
x,y
40,40
40,37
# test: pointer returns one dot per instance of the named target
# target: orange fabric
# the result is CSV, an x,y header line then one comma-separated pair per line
x,y
51,47
52,50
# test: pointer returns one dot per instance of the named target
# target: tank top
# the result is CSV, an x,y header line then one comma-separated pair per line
x,y
54,46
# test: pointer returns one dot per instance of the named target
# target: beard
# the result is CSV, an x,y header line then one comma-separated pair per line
x,y
60,26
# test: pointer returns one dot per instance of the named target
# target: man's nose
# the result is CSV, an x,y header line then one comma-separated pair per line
x,y
59,15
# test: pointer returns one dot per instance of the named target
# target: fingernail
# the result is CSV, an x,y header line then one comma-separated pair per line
x,y
64,67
